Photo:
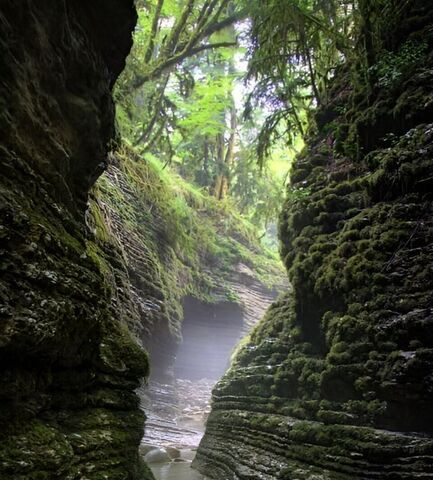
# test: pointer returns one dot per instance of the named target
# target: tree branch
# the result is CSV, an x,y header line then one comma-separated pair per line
x,y
153,32
206,10
210,46
216,27
178,58
179,27
156,108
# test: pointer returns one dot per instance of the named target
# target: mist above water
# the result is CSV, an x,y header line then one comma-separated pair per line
x,y
210,333
177,405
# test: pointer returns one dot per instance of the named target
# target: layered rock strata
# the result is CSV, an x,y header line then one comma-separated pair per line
x,y
170,265
336,381
69,363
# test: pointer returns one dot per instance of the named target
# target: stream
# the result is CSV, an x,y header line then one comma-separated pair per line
x,y
176,471
177,400
176,416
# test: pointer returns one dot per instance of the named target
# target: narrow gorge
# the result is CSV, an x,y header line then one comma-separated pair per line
x,y
149,329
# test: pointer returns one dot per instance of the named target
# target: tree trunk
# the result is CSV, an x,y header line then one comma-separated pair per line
x,y
220,165
225,161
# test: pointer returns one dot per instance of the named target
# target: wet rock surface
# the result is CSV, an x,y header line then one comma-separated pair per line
x,y
335,382
69,363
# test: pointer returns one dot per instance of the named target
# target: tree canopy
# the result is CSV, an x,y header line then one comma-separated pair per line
x,y
223,90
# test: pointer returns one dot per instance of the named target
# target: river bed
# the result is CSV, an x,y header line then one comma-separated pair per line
x,y
176,416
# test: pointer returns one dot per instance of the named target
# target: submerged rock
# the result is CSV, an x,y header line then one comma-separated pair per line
x,y
157,455
145,448
173,453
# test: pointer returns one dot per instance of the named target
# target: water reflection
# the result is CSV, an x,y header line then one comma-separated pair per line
x,y
175,471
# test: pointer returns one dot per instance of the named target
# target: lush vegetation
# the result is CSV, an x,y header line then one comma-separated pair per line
x,y
181,101
223,91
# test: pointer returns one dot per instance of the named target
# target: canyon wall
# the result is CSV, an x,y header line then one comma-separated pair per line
x,y
178,246
336,382
69,363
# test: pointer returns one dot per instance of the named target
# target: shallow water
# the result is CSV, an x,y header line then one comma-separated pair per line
x,y
175,471
176,415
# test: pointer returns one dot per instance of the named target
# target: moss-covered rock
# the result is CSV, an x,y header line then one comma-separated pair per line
x,y
69,362
176,241
335,382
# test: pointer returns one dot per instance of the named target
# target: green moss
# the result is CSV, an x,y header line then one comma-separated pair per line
x,y
186,233
96,255
120,353
36,448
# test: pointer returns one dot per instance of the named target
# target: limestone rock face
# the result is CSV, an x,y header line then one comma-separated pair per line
x,y
69,365
336,381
